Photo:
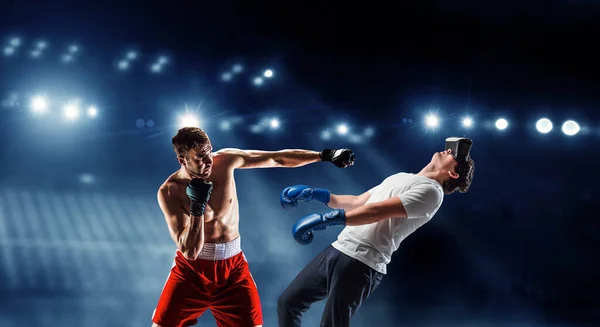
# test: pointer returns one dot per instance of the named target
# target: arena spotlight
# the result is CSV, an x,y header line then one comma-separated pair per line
x,y
156,68
268,73
188,120
543,125
432,120
67,58
258,81
15,41
501,124
570,128
42,45
36,53
226,76
342,129
71,111
325,135
131,55
237,68
9,51
163,60
225,125
92,112
39,104
74,48
274,123
467,122
123,64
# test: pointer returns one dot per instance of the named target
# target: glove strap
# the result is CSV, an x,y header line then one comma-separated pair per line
x,y
326,155
322,195
336,217
197,209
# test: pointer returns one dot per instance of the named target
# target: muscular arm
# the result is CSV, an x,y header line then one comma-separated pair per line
x,y
348,202
245,159
186,231
374,212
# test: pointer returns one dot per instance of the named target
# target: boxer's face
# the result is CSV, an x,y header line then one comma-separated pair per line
x,y
199,161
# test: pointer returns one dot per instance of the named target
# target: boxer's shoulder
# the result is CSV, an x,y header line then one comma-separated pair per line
x,y
227,158
173,187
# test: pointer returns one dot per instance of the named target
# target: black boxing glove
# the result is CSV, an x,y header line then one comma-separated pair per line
x,y
198,191
339,157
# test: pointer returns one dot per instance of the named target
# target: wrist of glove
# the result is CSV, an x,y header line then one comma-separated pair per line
x,y
197,208
342,158
302,230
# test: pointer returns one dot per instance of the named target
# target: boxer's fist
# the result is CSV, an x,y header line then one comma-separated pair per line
x,y
339,157
302,193
198,191
304,227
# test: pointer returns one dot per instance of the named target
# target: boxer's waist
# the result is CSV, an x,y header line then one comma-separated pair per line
x,y
220,251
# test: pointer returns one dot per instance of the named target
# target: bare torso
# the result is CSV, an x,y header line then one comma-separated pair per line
x,y
221,217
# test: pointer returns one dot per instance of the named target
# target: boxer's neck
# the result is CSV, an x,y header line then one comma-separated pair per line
x,y
432,172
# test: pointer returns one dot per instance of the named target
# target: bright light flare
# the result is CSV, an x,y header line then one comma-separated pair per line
x,y
543,125
188,120
274,123
342,129
71,112
268,73
92,112
570,128
467,122
39,104
501,124
432,120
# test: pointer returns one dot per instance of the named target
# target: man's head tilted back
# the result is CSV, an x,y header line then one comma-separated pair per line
x,y
460,148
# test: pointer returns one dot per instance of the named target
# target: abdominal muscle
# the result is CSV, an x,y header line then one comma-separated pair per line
x,y
224,227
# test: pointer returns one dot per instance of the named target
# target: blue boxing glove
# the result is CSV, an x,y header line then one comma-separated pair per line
x,y
304,227
302,193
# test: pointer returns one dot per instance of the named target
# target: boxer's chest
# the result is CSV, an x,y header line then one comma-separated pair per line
x,y
222,199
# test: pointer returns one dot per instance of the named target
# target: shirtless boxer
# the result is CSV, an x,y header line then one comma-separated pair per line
x,y
377,221
200,205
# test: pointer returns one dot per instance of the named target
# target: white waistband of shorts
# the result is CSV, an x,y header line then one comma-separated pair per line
x,y
220,251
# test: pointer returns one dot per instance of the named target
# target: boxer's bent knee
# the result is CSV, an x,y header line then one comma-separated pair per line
x,y
288,302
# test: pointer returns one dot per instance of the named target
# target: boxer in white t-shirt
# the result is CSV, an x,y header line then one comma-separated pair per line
x,y
377,221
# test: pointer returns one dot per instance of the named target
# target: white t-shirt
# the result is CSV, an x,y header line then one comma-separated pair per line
x,y
373,244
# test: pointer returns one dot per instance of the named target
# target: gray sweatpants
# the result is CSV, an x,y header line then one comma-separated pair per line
x,y
344,281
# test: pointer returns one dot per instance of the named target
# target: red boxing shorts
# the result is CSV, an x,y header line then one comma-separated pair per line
x,y
218,280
